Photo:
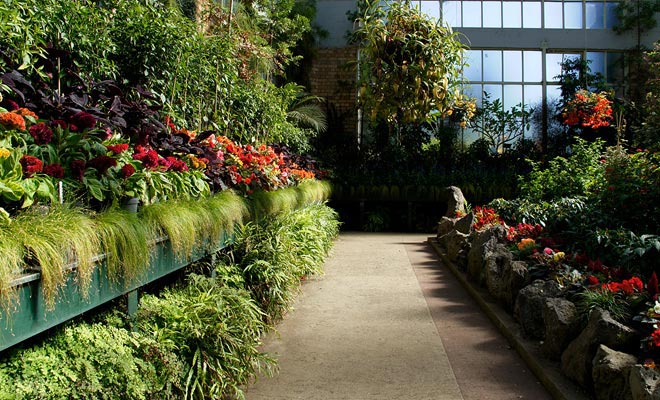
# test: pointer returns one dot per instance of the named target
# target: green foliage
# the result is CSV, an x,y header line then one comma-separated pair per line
x,y
55,238
564,177
560,212
647,135
629,190
276,252
203,75
185,223
410,64
214,330
589,300
499,127
12,254
91,362
125,242
637,15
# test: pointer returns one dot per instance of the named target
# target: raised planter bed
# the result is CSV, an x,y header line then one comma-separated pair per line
x,y
31,316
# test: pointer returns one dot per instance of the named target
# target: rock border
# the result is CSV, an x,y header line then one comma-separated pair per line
x,y
548,373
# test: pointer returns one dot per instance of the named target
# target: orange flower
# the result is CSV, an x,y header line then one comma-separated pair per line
x,y
26,113
11,120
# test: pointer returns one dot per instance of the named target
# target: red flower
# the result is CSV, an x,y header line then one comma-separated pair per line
x,y
83,120
102,163
613,287
149,157
58,122
636,283
117,148
127,170
655,336
593,280
77,169
41,133
54,170
176,164
31,165
12,105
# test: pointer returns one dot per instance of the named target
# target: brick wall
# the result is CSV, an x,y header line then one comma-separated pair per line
x,y
333,80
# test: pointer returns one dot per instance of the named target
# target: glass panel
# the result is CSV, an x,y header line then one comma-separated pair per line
x,y
614,67
512,17
554,92
533,96
513,66
595,15
553,15
431,8
533,66
610,17
552,66
473,71
474,91
495,91
451,13
596,62
492,14
493,65
472,14
513,95
531,14
573,15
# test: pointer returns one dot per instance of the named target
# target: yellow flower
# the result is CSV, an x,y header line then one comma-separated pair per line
x,y
4,153
558,256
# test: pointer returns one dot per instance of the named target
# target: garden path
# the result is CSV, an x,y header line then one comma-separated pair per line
x,y
389,321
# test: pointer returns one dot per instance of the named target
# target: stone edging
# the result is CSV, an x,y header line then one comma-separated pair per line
x,y
546,371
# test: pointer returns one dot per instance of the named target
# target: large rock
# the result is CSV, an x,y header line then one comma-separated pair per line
x,y
455,201
561,326
576,360
455,244
610,373
644,383
504,277
464,225
528,308
483,244
446,225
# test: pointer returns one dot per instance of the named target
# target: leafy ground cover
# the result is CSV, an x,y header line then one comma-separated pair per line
x,y
198,339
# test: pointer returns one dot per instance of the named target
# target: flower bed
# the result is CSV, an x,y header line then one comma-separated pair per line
x,y
599,323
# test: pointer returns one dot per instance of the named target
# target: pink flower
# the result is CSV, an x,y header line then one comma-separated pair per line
x,y
548,251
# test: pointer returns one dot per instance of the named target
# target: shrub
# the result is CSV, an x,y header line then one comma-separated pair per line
x,y
629,190
215,331
91,362
564,177
276,252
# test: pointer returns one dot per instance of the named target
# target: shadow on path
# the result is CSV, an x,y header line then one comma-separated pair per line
x,y
484,364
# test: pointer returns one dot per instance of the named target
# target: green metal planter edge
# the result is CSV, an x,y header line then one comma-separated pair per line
x,y
31,316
